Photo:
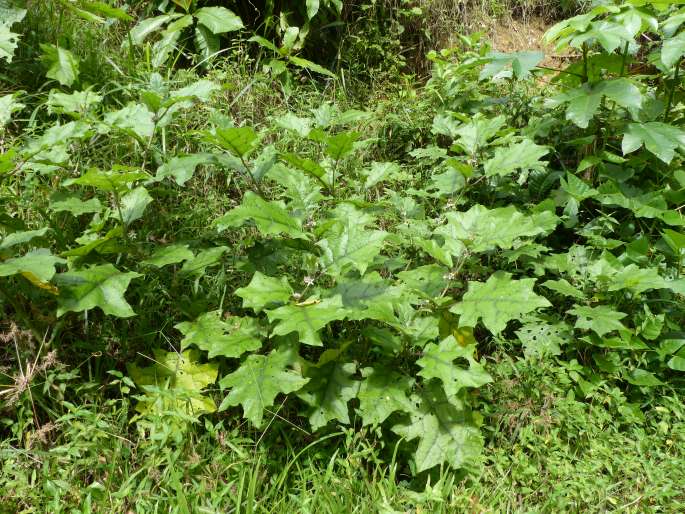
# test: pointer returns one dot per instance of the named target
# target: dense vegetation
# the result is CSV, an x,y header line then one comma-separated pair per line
x,y
255,260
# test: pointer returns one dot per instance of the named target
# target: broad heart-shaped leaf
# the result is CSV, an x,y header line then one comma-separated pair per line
x,y
218,19
481,229
438,362
180,373
133,204
659,138
134,119
339,145
637,280
171,254
230,338
264,291
240,141
517,156
329,389
182,168
307,318
446,433
259,379
271,218
601,319
475,134
62,65
381,393
98,286
584,101
39,263
347,244
497,301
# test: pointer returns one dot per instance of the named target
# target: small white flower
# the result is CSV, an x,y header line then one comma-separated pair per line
x,y
308,281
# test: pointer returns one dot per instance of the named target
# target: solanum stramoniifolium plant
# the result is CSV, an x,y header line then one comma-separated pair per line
x,y
365,291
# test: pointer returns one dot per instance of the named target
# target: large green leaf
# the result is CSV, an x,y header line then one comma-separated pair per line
x,y
64,202
347,244
517,156
40,263
271,218
497,301
240,141
601,319
61,64
446,433
438,362
134,119
475,134
117,179
307,318
25,236
149,26
381,393
659,138
480,229
230,338
182,168
329,389
8,42
259,379
264,291
100,286
672,50
218,19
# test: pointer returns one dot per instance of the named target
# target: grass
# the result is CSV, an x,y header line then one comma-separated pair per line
x,y
545,452
69,444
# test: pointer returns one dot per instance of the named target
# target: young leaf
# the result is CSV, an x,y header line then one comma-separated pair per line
x,y
230,338
134,119
263,291
339,145
497,301
100,286
259,379
446,433
438,362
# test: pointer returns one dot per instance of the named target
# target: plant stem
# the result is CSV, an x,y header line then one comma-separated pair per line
x,y
671,94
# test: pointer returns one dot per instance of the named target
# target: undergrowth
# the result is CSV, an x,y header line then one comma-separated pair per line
x,y
233,280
